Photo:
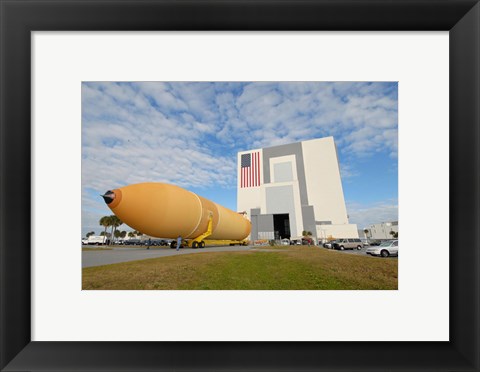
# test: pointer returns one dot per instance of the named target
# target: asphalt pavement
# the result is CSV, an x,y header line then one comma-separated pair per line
x,y
360,252
117,255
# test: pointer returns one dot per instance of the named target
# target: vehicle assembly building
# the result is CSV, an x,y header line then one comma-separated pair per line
x,y
287,189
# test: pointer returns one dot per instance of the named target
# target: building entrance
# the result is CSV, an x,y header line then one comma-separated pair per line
x,y
281,226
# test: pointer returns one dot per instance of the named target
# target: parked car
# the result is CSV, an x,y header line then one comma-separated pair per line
x,y
285,241
385,249
307,241
133,242
155,242
342,244
365,242
329,244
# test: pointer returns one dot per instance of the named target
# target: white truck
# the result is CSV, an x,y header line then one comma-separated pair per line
x,y
95,240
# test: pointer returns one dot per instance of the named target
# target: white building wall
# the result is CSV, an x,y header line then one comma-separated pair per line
x,y
328,232
324,185
382,230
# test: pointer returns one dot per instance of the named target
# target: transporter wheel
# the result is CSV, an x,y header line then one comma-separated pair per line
x,y
342,248
359,247
194,245
384,253
173,245
201,244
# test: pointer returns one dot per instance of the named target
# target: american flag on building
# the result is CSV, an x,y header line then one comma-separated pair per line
x,y
250,169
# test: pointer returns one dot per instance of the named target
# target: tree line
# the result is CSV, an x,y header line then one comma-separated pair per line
x,y
113,222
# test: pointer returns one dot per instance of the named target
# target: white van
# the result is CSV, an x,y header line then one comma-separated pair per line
x,y
96,240
348,244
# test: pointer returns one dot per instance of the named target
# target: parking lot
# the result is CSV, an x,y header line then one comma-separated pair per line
x,y
117,255
122,254
360,252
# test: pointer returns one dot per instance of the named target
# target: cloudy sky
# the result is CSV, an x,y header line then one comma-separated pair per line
x,y
189,134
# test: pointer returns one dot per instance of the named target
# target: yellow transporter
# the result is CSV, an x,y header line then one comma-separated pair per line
x,y
167,211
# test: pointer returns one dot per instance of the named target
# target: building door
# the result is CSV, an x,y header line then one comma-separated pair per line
x,y
281,226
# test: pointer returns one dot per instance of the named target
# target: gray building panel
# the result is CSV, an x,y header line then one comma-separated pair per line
x,y
254,229
283,172
309,220
265,223
280,200
260,223
284,150
254,220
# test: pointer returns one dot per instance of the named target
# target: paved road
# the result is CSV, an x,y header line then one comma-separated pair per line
x,y
117,255
361,252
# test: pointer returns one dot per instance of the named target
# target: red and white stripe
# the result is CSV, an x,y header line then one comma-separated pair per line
x,y
250,176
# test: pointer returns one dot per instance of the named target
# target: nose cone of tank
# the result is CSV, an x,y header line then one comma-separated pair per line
x,y
109,197
112,198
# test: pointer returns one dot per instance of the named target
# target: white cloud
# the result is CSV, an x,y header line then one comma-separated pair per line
x,y
364,215
347,171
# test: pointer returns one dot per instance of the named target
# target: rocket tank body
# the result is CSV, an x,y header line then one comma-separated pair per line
x,y
167,211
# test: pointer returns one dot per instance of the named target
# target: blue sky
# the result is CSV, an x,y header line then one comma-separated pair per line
x,y
189,134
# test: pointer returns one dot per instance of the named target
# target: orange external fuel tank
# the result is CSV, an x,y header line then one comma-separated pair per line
x,y
166,211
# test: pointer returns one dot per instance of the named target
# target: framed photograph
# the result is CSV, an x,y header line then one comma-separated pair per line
x,y
260,193
80,80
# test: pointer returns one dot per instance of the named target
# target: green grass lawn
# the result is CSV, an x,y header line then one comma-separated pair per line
x,y
280,268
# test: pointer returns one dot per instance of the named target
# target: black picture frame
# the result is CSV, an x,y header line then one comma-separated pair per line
x,y
18,18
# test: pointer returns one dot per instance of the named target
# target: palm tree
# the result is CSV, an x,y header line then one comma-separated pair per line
x,y
131,234
105,222
114,223
392,233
